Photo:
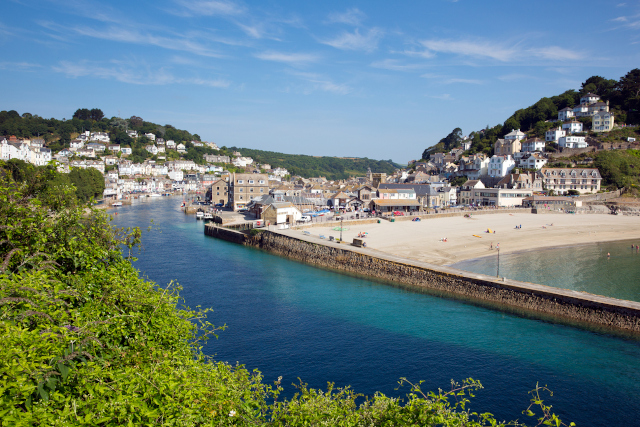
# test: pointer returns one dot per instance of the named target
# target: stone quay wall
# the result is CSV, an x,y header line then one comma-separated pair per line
x,y
223,233
540,301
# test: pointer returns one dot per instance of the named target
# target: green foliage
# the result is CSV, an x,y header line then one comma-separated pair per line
x,y
447,143
89,183
87,341
619,168
308,166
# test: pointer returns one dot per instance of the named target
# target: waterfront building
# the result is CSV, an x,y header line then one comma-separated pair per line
x,y
561,180
281,213
245,186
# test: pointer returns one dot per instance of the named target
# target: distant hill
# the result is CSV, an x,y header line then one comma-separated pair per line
x,y
331,168
624,102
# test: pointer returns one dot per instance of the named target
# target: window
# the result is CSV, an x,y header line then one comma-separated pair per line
x,y
261,181
241,190
251,190
250,181
240,181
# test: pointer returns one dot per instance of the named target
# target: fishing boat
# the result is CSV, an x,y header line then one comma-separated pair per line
x,y
208,216
200,214
116,204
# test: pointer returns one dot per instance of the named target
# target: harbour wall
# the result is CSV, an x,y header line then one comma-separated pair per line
x,y
533,299
528,299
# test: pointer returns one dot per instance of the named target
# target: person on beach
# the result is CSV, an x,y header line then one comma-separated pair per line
x,y
608,255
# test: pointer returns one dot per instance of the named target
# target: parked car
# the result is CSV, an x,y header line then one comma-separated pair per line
x,y
398,213
305,218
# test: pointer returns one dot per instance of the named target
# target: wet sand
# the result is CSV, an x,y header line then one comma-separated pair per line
x,y
422,240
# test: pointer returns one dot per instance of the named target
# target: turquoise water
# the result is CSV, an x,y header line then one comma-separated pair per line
x,y
582,268
290,319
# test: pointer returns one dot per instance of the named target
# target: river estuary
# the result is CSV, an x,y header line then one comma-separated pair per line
x,y
288,319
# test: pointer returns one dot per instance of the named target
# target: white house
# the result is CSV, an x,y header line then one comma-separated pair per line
x,y
76,144
126,150
99,136
15,150
499,166
181,148
176,175
98,147
515,134
552,135
151,149
132,133
533,144
572,127
39,156
581,110
533,161
572,141
150,136
114,147
566,114
171,144
589,98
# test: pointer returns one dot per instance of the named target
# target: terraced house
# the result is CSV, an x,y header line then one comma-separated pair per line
x,y
561,180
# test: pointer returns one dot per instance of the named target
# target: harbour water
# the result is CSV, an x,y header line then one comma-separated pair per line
x,y
584,268
289,319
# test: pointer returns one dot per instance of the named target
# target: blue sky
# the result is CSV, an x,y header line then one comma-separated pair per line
x,y
373,79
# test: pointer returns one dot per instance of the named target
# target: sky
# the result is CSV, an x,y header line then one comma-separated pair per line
x,y
375,79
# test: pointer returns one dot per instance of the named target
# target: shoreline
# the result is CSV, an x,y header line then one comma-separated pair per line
x,y
542,248
467,238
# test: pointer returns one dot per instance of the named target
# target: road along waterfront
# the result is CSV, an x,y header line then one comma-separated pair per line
x,y
288,318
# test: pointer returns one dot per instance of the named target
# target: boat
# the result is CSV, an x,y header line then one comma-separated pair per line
x,y
154,195
208,216
199,214
116,204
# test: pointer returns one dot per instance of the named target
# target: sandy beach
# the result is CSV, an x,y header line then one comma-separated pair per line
x,y
422,240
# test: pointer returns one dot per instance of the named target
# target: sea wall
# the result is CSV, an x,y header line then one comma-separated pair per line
x,y
531,299
234,236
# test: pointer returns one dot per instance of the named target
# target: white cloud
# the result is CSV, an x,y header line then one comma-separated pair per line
x,y
129,73
458,80
471,48
180,43
555,52
351,17
208,8
289,58
395,65
321,83
497,51
356,41
18,66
